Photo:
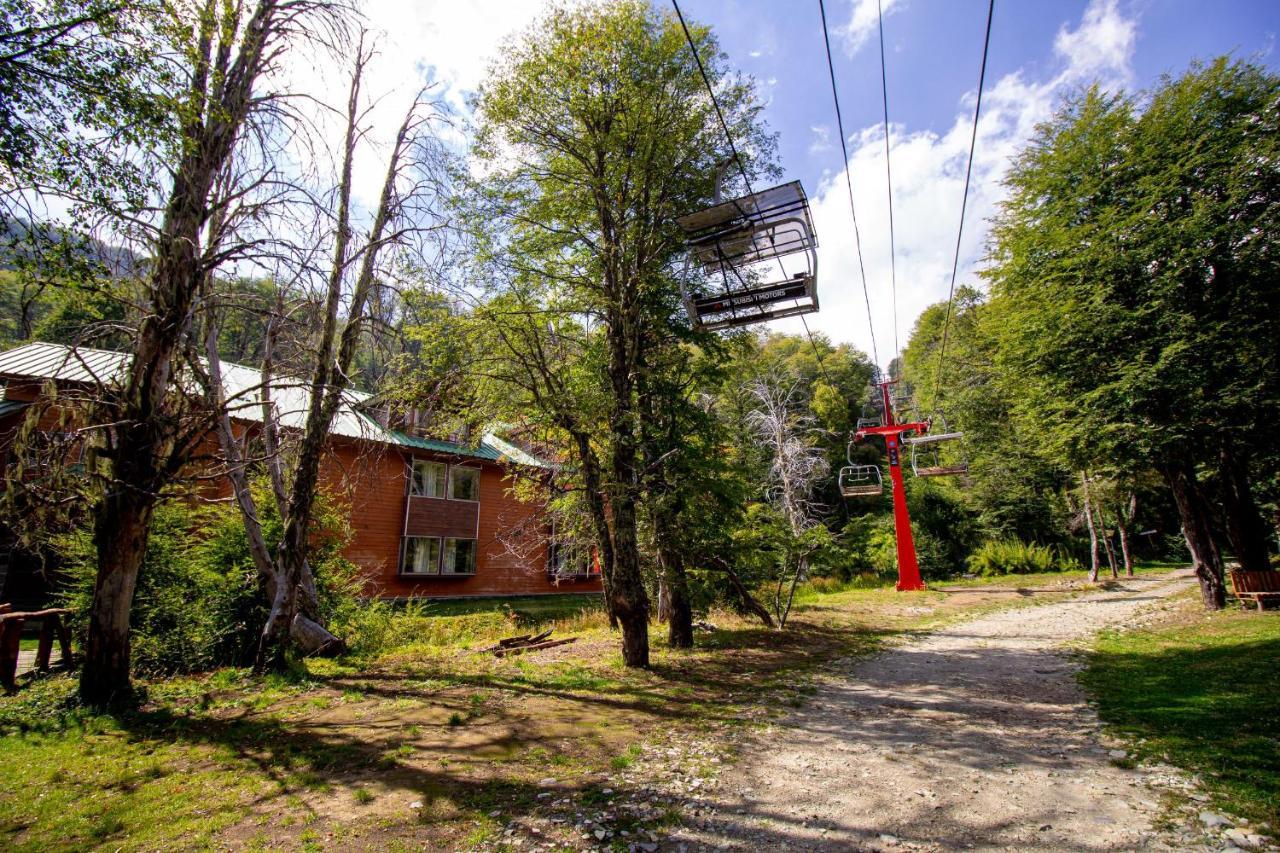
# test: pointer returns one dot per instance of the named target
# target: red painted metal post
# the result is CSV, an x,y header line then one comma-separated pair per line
x,y
908,566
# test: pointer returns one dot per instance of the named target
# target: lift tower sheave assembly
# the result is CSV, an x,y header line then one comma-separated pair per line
x,y
893,433
744,245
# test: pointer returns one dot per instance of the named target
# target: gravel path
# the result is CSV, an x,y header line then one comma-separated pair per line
x,y
974,737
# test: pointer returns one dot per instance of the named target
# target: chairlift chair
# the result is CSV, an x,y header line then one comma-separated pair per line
x,y
858,480
742,244
861,481
927,456
871,416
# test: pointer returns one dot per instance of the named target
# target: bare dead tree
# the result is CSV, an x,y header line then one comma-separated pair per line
x,y
797,466
362,258
1087,512
148,437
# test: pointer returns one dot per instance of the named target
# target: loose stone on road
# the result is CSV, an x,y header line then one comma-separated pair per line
x,y
974,737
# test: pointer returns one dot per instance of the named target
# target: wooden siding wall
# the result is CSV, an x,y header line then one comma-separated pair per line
x,y
371,479
373,482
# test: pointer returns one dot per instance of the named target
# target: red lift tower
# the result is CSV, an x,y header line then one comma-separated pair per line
x,y
908,567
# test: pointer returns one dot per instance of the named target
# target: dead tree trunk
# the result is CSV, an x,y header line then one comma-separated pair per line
x,y
1106,543
141,445
1093,531
1197,527
749,601
294,606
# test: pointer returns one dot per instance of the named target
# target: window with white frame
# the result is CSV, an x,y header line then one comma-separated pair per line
x,y
459,557
464,483
428,479
421,556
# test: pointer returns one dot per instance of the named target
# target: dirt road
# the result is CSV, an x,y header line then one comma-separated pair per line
x,y
975,737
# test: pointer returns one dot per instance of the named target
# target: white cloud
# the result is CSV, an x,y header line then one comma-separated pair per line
x,y
928,173
447,43
864,23
1100,47
821,141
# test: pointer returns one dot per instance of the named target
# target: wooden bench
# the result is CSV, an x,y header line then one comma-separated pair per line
x,y
1258,587
51,624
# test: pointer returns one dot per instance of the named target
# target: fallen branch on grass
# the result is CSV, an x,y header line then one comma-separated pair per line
x,y
525,643
519,650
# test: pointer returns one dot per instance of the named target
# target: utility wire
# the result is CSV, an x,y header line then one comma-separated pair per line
x,y
888,174
724,126
848,181
968,172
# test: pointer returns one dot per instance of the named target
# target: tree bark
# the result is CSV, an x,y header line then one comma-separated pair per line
x,y
674,582
1093,532
121,531
622,336
748,600
1123,519
1197,527
1106,544
1245,528
142,448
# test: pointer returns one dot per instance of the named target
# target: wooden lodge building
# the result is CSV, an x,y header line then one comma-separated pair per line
x,y
429,518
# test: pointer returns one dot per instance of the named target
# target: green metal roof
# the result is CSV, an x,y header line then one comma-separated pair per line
x,y
435,444
291,396
490,449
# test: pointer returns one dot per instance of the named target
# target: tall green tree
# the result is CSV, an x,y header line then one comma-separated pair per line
x,y
596,132
1133,287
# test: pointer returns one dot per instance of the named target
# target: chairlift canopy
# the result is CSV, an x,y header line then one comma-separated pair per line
x,y
744,245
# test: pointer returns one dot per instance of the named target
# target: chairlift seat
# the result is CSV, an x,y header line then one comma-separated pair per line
x,y
734,241
861,481
941,470
931,438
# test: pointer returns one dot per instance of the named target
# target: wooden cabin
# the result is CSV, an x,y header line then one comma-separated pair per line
x,y
430,518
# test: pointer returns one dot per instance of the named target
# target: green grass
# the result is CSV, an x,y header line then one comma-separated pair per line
x,y
210,751
1204,695
527,608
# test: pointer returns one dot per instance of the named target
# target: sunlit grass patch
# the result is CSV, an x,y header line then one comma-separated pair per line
x,y
1201,693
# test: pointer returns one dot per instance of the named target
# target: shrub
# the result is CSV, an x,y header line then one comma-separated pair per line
x,y
198,602
1014,557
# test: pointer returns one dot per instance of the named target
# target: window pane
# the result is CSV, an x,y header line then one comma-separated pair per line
x,y
428,479
421,556
464,484
459,556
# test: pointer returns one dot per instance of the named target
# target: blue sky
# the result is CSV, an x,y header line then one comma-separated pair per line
x,y
1039,51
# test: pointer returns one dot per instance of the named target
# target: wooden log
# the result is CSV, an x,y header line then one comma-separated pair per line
x,y
64,642
33,614
518,642
519,650
46,644
10,634
514,641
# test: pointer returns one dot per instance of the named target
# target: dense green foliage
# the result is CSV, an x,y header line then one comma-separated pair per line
x,y
198,604
1011,557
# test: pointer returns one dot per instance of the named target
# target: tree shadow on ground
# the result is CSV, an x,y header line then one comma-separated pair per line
x,y
1213,708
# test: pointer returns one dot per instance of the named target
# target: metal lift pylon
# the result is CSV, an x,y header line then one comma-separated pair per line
x,y
892,433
